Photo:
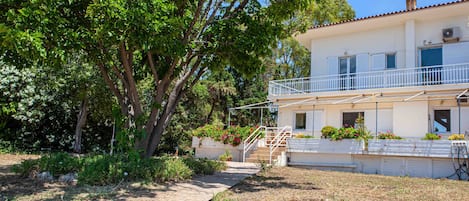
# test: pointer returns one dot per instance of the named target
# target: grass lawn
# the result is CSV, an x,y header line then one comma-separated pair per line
x,y
290,183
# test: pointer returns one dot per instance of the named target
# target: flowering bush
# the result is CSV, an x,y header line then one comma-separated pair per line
x,y
456,137
388,136
431,136
233,135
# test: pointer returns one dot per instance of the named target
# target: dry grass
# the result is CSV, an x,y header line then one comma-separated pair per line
x,y
289,183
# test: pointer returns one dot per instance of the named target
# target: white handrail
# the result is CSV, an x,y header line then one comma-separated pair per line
x,y
283,134
401,77
249,142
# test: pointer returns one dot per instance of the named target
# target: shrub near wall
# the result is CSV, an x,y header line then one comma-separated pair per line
x,y
108,169
233,135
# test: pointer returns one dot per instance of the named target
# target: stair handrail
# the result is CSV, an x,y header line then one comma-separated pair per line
x,y
249,142
283,134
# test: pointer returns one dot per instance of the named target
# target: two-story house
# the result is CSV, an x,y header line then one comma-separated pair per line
x,y
406,72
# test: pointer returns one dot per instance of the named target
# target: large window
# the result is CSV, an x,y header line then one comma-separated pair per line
x,y
442,121
349,118
300,121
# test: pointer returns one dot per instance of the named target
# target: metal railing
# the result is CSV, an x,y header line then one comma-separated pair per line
x,y
282,135
250,142
419,76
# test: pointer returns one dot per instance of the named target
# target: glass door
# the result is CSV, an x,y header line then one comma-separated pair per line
x,y
347,71
431,60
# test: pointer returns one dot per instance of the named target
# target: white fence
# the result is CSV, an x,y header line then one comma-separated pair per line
x,y
420,76
417,158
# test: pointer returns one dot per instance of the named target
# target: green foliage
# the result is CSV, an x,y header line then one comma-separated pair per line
x,y
328,131
204,166
389,136
26,167
300,135
6,147
226,156
432,136
233,135
59,163
456,137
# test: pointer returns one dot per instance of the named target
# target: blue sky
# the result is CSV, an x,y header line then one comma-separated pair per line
x,y
365,8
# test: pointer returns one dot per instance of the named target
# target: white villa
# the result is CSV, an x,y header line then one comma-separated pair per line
x,y
404,71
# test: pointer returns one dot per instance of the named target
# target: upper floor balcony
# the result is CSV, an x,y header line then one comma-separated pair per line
x,y
397,78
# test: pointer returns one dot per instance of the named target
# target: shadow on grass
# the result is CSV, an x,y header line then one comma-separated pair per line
x,y
260,183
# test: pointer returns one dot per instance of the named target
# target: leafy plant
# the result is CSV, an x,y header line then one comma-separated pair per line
x,y
431,136
233,135
389,136
26,168
301,135
204,166
456,137
226,156
328,131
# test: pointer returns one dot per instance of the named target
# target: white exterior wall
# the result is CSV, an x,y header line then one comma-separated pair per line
x,y
405,39
383,41
410,119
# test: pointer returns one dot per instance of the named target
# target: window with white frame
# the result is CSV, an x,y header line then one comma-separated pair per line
x,y
300,120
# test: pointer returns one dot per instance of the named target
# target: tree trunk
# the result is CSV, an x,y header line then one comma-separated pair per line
x,y
81,122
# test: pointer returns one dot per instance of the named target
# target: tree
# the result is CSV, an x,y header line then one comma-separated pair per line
x,y
172,43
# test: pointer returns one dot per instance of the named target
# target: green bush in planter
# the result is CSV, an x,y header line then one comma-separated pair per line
x,y
328,131
431,136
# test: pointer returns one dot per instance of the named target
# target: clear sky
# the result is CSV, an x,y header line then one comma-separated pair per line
x,y
365,8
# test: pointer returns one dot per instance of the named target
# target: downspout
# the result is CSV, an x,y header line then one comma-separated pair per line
x,y
376,123
312,131
459,115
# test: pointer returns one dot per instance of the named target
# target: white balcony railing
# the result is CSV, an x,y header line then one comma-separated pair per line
x,y
419,76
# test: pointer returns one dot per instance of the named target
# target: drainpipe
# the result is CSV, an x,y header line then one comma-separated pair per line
x,y
376,123
459,114
312,131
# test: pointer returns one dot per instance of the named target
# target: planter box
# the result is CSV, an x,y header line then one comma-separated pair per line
x,y
211,149
414,147
346,146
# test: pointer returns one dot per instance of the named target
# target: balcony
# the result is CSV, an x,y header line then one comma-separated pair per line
x,y
407,77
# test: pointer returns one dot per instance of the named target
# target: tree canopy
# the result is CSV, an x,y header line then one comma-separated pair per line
x,y
166,45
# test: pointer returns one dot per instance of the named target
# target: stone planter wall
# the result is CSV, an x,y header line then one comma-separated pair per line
x,y
211,149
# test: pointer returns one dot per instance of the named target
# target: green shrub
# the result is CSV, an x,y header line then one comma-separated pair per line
x,y
204,166
6,147
59,163
300,135
27,167
388,136
233,135
431,136
226,156
173,169
328,131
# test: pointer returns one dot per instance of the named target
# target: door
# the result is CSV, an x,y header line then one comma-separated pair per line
x,y
431,60
347,71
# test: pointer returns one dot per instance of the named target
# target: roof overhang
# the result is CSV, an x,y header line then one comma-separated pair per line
x,y
456,8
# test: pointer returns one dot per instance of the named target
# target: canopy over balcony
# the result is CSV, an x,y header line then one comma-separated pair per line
x,y
397,78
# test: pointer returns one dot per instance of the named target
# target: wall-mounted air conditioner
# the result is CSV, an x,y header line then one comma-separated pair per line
x,y
451,34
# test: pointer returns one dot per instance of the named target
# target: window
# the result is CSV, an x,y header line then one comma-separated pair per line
x,y
300,121
442,121
348,118
391,61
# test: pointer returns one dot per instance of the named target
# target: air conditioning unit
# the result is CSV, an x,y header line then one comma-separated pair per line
x,y
451,34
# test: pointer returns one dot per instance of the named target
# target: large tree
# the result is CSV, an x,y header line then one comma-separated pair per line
x,y
171,43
